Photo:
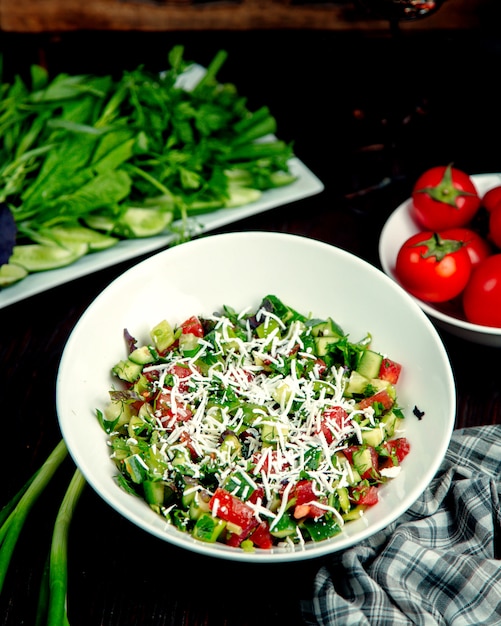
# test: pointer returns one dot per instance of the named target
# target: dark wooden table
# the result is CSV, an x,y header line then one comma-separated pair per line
x,y
367,115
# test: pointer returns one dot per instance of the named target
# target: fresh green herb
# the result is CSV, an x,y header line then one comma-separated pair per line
x,y
144,148
14,514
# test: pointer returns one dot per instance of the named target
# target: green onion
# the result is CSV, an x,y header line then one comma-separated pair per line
x,y
58,570
15,512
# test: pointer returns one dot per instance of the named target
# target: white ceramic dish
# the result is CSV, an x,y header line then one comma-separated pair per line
x,y
398,228
239,269
306,185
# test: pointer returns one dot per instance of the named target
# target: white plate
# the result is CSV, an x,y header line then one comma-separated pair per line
x,y
239,269
306,185
398,228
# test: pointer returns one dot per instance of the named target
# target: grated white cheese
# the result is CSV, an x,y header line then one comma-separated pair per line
x,y
236,393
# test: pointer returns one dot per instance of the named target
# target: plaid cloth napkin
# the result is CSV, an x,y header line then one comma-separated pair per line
x,y
439,564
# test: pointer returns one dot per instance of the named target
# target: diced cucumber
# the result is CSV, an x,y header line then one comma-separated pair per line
x,y
323,344
352,475
270,325
321,529
391,423
374,436
230,446
188,344
127,370
370,364
119,412
141,385
162,335
11,273
378,383
354,514
362,461
143,355
285,526
38,257
270,433
158,492
344,500
327,328
137,427
136,468
357,383
282,394
199,504
208,528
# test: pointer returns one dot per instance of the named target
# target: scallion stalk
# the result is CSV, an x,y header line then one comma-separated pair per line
x,y
16,516
58,570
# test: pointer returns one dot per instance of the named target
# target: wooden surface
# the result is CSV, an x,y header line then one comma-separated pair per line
x,y
34,16
367,117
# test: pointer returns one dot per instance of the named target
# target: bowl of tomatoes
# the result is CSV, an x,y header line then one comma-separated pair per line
x,y
443,246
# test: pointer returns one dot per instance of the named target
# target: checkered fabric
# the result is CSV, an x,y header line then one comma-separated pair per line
x,y
438,564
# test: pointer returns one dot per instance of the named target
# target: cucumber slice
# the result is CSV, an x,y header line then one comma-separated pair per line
x,y
39,257
100,222
67,236
140,222
239,196
370,364
11,273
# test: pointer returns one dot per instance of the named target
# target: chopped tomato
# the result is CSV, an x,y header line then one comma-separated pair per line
x,y
261,536
182,373
270,463
365,494
398,448
305,500
256,495
381,397
390,371
193,326
229,508
303,492
168,416
332,418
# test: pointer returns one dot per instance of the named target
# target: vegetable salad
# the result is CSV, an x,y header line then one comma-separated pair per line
x,y
255,429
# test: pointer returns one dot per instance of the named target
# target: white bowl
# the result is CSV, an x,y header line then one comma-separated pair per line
x,y
398,228
239,269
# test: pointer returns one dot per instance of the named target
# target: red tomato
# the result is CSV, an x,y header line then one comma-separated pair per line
x,y
431,268
495,225
482,296
365,494
477,247
444,197
491,198
399,448
193,326
261,537
382,396
333,418
305,500
390,370
227,507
